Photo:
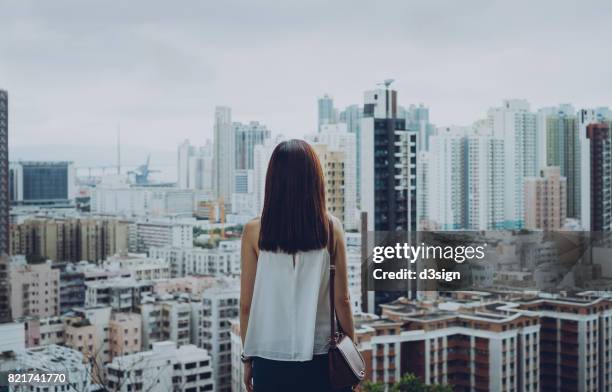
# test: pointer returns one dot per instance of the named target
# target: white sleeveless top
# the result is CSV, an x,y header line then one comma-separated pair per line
x,y
289,317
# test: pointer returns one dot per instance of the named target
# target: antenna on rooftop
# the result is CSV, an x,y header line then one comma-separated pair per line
x,y
119,148
386,82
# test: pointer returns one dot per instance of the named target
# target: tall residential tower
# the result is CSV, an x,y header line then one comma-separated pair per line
x,y
516,125
388,164
5,311
224,154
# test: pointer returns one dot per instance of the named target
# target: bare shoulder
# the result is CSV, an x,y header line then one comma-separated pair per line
x,y
338,230
251,230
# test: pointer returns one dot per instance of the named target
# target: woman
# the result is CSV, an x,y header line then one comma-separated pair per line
x,y
284,294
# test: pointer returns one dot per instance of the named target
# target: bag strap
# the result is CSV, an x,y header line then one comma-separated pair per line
x,y
332,275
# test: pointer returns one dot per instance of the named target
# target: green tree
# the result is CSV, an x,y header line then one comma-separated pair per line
x,y
408,383
369,386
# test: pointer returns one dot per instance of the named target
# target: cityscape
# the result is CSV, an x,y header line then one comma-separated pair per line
x,y
115,274
134,147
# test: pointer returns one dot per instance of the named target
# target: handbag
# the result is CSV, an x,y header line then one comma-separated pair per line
x,y
346,365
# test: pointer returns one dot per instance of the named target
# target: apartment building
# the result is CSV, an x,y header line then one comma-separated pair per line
x,y
515,124
101,335
124,332
354,262
43,331
121,199
236,352
121,294
164,368
148,233
211,318
54,359
73,278
165,318
141,266
487,340
34,289
337,152
191,285
575,342
595,168
221,261
69,239
545,200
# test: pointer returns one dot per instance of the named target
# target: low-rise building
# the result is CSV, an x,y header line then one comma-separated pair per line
x,y
164,368
122,295
148,233
54,359
124,334
192,285
34,289
221,261
165,318
140,266
43,331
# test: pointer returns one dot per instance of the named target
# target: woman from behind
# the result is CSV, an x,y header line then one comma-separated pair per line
x,y
284,294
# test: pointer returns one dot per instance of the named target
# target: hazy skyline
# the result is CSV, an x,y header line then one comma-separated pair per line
x,y
75,70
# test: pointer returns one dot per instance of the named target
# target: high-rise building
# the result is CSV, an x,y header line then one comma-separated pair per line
x,y
559,145
185,150
484,181
545,199
224,154
195,167
594,132
446,182
69,239
336,149
41,183
247,137
464,179
327,114
4,184
388,164
261,159
388,179
5,289
5,308
516,125
417,119
351,116
600,167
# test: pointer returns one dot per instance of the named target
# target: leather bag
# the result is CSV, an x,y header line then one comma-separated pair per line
x,y
346,365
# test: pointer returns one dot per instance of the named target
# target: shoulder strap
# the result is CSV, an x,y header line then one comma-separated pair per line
x,y
332,275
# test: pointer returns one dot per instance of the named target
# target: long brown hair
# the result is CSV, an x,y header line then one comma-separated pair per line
x,y
294,216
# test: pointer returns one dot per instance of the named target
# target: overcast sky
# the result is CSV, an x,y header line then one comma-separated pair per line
x,y
75,70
